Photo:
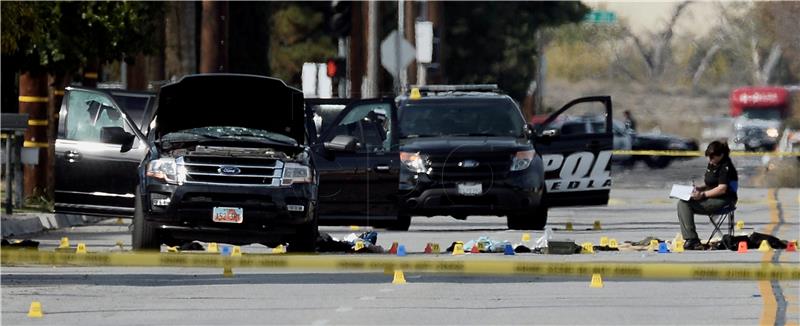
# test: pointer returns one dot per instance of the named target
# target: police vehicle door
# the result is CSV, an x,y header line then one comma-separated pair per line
x,y
93,176
360,185
576,143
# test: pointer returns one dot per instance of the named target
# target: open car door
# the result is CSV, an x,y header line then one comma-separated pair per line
x,y
359,178
94,174
576,144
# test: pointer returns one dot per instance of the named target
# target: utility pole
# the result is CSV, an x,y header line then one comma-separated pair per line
x,y
214,37
33,100
370,89
401,79
355,57
410,14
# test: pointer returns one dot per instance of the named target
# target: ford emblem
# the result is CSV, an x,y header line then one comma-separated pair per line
x,y
228,170
469,164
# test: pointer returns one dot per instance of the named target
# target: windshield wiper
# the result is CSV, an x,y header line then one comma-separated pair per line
x,y
266,138
420,135
476,134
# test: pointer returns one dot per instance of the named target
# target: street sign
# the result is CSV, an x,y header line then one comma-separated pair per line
x,y
423,30
601,17
391,56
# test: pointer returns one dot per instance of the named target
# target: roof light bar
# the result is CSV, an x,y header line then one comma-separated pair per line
x,y
456,88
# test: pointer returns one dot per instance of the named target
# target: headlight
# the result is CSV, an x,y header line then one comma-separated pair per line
x,y
167,169
522,160
772,132
414,162
295,173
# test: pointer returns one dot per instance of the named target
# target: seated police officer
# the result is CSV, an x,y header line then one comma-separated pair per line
x,y
721,183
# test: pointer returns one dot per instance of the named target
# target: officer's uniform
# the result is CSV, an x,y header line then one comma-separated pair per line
x,y
724,173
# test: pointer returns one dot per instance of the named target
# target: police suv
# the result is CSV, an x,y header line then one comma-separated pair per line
x,y
458,151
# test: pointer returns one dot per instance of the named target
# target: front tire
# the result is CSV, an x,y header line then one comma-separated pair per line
x,y
657,162
534,219
145,234
305,240
402,224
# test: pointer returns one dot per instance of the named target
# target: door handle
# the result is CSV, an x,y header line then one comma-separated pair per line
x,y
382,168
73,156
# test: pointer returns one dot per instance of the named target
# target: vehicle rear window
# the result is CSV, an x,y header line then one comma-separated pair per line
x,y
484,117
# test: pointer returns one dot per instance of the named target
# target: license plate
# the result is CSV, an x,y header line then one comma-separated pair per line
x,y
228,215
470,189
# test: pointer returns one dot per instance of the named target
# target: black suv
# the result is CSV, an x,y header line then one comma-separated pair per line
x,y
454,150
225,159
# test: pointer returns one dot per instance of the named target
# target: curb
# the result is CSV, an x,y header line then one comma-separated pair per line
x,y
29,223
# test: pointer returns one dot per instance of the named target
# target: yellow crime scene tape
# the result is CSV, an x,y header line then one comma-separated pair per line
x,y
443,264
699,153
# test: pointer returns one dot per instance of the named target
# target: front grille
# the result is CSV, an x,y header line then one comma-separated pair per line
x,y
203,169
490,166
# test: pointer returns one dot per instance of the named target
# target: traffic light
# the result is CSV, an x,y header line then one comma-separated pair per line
x,y
336,67
341,19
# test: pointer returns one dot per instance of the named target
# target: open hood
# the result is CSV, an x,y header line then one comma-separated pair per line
x,y
234,100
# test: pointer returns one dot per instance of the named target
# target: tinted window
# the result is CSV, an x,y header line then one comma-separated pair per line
x,y
88,114
370,124
762,113
490,117
134,106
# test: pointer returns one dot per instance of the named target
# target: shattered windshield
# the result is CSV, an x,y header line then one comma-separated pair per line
x,y
464,117
227,133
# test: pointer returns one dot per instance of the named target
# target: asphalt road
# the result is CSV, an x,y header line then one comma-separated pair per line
x,y
183,296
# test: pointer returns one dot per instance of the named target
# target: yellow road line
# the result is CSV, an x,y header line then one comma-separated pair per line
x,y
770,309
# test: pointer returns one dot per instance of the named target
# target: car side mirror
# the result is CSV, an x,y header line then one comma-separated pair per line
x,y
117,136
549,133
342,143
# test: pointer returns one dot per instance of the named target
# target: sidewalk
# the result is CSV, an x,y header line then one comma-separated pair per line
x,y
27,223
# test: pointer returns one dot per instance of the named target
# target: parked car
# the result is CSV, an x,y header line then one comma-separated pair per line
x,y
627,139
659,141
215,164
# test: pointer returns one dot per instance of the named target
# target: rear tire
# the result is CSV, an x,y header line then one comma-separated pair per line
x,y
534,219
402,224
657,162
145,234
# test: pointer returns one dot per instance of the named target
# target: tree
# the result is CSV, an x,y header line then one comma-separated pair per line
x,y
760,39
484,45
57,38
657,48
63,36
298,36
